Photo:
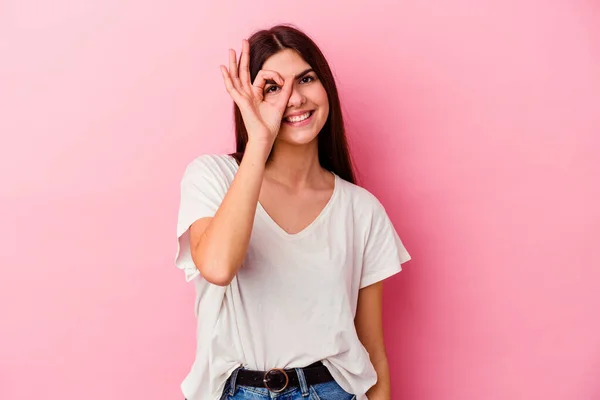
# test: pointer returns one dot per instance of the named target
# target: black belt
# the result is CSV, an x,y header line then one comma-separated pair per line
x,y
277,380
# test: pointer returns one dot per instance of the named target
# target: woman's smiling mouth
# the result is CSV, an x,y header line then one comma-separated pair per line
x,y
299,119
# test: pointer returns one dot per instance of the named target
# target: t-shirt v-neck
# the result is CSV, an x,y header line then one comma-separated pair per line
x,y
306,230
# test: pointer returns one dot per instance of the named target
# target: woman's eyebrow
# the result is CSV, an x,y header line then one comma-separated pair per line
x,y
301,74
297,76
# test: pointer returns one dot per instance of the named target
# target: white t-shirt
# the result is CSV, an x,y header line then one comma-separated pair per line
x,y
294,299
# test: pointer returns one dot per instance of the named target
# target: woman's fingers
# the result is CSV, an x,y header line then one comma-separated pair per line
x,y
233,92
233,70
245,66
262,78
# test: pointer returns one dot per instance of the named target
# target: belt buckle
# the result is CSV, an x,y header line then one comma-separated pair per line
x,y
274,374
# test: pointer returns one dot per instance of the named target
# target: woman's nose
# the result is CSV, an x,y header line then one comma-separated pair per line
x,y
297,99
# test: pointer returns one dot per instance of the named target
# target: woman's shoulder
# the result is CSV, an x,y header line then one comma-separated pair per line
x,y
212,160
361,198
214,164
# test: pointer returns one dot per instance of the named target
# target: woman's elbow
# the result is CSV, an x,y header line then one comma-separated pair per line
x,y
218,279
217,274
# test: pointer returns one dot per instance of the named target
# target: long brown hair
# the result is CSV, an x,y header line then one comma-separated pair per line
x,y
334,154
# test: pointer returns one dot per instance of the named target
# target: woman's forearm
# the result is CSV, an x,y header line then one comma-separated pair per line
x,y
382,389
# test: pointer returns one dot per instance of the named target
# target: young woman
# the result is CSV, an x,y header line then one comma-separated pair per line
x,y
286,252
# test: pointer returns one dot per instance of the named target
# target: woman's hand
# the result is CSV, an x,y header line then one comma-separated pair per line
x,y
262,119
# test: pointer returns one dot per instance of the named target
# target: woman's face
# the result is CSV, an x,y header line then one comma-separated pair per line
x,y
308,106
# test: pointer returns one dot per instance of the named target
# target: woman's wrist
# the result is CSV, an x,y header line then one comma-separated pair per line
x,y
258,150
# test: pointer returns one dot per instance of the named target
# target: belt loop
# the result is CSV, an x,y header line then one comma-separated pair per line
x,y
233,381
302,382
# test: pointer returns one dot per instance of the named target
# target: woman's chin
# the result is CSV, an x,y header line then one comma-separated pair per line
x,y
297,138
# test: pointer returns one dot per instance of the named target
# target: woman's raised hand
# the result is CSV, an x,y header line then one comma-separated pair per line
x,y
261,118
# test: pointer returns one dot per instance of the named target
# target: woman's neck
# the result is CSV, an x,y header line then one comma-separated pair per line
x,y
296,166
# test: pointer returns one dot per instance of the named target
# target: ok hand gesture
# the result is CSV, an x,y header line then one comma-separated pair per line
x,y
261,118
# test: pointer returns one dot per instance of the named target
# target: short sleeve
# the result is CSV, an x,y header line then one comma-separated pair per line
x,y
384,251
202,189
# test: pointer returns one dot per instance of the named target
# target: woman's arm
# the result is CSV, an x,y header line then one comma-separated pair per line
x,y
369,326
218,244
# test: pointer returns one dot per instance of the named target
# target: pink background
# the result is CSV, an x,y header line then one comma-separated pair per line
x,y
475,122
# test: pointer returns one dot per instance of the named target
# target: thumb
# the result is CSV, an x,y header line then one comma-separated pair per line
x,y
286,92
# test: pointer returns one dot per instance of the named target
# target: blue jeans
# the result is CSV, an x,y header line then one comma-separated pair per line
x,y
321,391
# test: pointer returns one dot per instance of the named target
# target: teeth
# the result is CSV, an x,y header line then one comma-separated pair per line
x,y
298,118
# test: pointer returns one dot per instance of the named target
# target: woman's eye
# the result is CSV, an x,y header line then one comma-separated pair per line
x,y
271,89
307,79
